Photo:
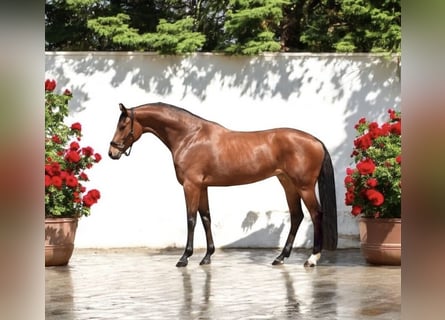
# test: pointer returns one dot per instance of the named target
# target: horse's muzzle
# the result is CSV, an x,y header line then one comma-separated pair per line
x,y
114,154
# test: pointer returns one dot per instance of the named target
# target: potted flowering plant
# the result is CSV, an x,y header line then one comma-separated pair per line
x,y
373,187
66,163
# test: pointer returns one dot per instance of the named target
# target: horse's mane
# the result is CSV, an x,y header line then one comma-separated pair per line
x,y
174,109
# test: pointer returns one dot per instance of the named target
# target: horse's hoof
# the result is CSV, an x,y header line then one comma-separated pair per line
x,y
309,264
204,261
182,263
312,261
278,262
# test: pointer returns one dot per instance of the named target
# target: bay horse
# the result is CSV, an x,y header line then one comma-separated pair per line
x,y
207,154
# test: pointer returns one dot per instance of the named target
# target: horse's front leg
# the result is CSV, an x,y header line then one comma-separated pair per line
x,y
296,216
204,212
192,194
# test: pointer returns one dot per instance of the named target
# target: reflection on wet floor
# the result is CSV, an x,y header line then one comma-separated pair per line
x,y
239,284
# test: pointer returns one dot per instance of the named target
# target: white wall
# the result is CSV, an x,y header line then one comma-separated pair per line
x,y
142,204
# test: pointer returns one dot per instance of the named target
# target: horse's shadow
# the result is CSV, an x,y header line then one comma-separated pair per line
x,y
270,235
265,237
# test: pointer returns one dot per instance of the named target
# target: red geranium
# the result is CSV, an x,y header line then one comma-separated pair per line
x,y
71,181
97,157
91,197
88,151
348,180
375,197
372,182
363,142
373,187
349,198
366,166
52,168
55,138
76,126
396,128
356,210
74,146
394,116
65,160
50,85
47,181
385,129
72,156
56,181
76,197
83,176
360,122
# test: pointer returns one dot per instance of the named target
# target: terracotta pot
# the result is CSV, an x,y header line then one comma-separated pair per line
x,y
59,240
381,240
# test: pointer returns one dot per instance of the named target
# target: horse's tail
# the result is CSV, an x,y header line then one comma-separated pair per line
x,y
326,190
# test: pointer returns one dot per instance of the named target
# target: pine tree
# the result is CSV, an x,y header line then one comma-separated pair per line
x,y
252,25
231,26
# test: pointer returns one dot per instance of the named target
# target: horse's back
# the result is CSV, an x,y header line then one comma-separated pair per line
x,y
279,141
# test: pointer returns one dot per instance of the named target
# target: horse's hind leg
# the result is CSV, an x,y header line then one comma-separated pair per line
x,y
310,200
296,216
204,212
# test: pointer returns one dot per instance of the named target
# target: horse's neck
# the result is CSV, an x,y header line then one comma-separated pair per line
x,y
170,127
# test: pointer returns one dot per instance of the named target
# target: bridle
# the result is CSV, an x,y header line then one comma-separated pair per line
x,y
121,146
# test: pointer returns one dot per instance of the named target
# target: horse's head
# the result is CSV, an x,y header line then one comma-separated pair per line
x,y
127,132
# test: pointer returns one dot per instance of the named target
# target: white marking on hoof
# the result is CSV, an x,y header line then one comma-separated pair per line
x,y
313,259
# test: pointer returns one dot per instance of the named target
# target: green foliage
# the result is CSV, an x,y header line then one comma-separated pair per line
x,y
175,38
264,42
66,24
56,109
115,31
210,17
352,25
170,38
318,20
231,26
251,26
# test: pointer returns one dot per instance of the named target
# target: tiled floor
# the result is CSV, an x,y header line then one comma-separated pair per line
x,y
239,284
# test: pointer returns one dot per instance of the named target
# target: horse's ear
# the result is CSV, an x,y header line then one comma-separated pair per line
x,y
122,107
